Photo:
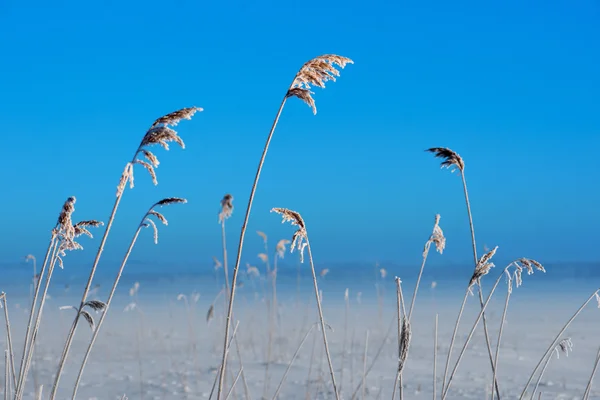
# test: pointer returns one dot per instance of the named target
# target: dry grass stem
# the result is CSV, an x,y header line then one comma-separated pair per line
x,y
588,388
315,72
565,346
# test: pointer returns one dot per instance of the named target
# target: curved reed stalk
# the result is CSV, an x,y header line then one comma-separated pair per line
x,y
315,72
564,346
454,161
500,331
300,242
588,388
557,338
159,134
146,222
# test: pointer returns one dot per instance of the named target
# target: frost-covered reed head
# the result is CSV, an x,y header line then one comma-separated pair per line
x,y
148,222
437,238
483,266
159,134
226,207
316,72
299,239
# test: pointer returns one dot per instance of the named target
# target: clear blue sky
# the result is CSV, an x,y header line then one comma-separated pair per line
x,y
514,87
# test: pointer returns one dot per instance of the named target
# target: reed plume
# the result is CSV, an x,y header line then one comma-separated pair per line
x,y
565,346
453,161
146,222
160,134
315,72
300,243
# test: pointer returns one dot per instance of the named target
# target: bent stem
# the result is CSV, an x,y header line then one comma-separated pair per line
x,y
555,341
108,302
470,336
588,388
239,252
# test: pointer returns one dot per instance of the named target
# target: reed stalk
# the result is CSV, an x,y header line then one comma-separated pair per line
x,y
159,134
588,388
565,346
556,339
315,72
435,353
11,354
144,223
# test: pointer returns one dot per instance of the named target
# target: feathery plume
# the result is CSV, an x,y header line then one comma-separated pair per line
x,y
176,116
216,263
262,235
451,158
300,236
280,248
316,72
483,266
226,207
96,305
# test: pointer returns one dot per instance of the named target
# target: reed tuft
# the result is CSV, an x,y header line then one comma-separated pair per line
x,y
450,157
226,207
316,72
483,266
299,237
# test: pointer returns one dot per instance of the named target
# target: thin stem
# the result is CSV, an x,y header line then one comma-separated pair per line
x,y
414,298
399,310
539,380
33,306
364,377
470,336
588,388
321,320
212,390
11,353
226,272
86,291
108,302
287,370
508,293
6,375
435,346
234,383
377,354
476,259
34,332
273,276
556,339
240,247
453,339
344,346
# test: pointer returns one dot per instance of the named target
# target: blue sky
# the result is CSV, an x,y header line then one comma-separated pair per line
x,y
513,87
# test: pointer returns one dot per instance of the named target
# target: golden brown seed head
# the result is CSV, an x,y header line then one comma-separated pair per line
x,y
451,158
176,116
299,239
316,72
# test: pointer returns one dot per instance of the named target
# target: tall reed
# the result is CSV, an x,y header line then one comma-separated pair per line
x,y
160,134
300,242
454,161
588,388
404,335
226,212
146,222
315,72
65,233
